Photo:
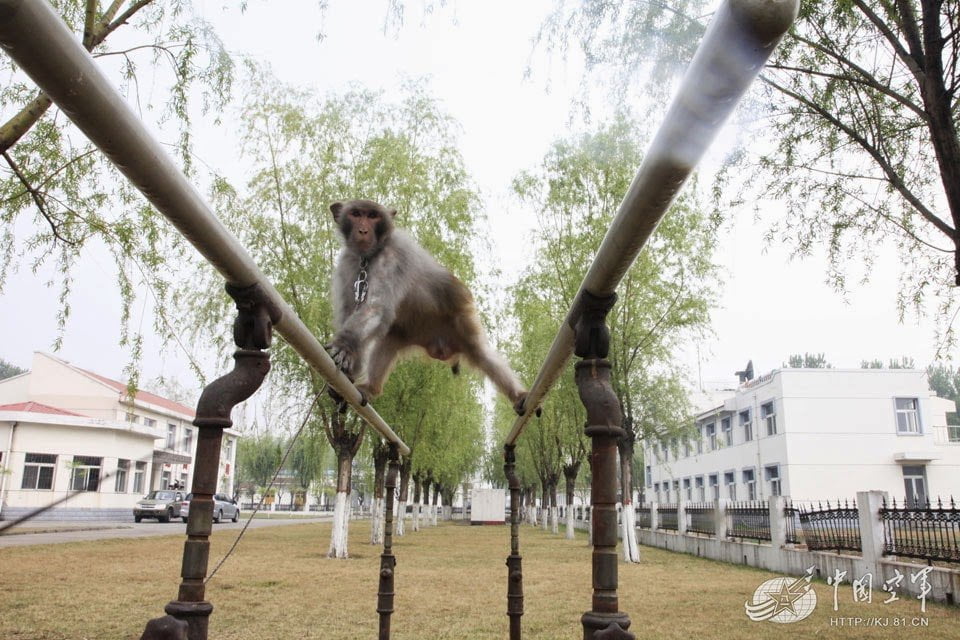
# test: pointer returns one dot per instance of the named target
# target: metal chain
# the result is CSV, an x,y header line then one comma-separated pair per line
x,y
360,284
267,490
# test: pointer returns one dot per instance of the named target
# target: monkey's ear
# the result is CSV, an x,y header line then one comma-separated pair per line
x,y
335,208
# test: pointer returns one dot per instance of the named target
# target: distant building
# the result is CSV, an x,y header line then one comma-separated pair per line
x,y
813,434
65,429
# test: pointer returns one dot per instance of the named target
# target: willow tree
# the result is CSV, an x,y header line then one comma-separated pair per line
x,y
664,297
860,102
304,152
62,198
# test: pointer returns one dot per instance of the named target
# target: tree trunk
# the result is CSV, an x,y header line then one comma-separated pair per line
x,y
447,495
380,453
554,525
417,486
631,552
404,492
436,496
570,472
341,520
544,504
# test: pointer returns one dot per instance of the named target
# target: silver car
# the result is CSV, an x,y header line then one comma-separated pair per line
x,y
164,505
223,507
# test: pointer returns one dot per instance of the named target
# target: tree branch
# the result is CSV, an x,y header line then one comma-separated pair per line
x,y
38,199
892,176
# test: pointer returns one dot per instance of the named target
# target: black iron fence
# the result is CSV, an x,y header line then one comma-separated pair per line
x,y
667,517
701,518
644,519
922,530
833,527
791,518
748,520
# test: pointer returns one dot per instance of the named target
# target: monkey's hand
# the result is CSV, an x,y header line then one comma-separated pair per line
x,y
345,350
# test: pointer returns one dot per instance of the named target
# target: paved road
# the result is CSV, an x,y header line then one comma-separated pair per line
x,y
57,532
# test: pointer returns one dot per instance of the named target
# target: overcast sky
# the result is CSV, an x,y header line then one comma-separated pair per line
x,y
475,57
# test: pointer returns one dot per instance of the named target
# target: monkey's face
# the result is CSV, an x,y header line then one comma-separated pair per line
x,y
363,223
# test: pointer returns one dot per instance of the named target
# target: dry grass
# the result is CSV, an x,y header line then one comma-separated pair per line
x,y
451,583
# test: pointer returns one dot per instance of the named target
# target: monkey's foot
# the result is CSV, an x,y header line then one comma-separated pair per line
x,y
519,405
344,350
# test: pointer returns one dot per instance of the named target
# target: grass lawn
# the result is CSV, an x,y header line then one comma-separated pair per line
x,y
451,583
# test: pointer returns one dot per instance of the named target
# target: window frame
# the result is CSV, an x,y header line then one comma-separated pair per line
x,y
769,419
746,424
726,428
39,464
123,471
139,477
751,484
711,431
776,484
914,411
85,473
730,482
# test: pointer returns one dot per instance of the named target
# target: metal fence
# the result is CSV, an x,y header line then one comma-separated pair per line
x,y
667,517
748,520
644,519
791,518
921,530
831,527
701,518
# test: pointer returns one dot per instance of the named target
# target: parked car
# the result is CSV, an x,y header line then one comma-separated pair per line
x,y
223,507
164,505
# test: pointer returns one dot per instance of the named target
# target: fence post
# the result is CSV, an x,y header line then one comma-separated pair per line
x,y
720,519
252,333
682,517
654,516
604,419
778,523
871,531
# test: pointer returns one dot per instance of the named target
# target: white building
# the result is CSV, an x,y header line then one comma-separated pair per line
x,y
65,429
813,434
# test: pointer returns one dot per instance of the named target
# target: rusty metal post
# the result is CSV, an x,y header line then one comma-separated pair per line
x,y
388,563
252,333
514,560
592,343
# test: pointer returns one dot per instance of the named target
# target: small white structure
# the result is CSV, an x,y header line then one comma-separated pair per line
x,y
488,506
813,434
65,429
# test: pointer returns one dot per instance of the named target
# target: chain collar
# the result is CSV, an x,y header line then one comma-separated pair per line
x,y
360,284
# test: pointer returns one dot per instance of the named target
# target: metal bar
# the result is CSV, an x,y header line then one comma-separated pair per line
x,y
740,38
388,563
47,51
514,560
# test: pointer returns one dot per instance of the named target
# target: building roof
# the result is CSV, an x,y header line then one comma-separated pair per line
x,y
36,407
142,396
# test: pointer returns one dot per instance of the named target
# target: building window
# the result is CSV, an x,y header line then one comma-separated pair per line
x,y
85,475
686,447
676,490
772,475
149,422
165,479
183,480
727,428
750,482
908,415
747,425
132,418
915,485
123,467
228,449
171,437
698,482
712,436
649,475
38,471
188,440
953,434
714,481
687,489
139,473
699,438
675,448
730,480
769,417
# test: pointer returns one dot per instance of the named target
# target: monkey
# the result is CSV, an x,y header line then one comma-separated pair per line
x,y
391,296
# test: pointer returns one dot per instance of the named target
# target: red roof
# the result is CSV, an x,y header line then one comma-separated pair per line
x,y
142,396
36,407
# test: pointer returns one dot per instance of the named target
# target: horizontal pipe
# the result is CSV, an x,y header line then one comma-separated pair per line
x,y
47,51
740,38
